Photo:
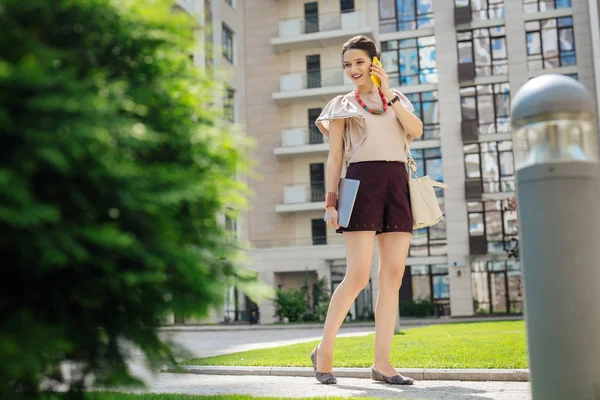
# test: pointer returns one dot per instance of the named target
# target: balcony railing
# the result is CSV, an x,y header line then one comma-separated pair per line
x,y
303,136
321,23
313,79
304,193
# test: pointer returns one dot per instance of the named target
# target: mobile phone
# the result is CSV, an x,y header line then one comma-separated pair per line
x,y
374,78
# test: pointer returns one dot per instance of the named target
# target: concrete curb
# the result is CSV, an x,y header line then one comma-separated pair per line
x,y
405,323
512,375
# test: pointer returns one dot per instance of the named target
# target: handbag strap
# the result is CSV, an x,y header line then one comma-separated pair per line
x,y
410,161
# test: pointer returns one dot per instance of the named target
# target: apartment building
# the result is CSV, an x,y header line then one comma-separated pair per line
x,y
459,62
220,50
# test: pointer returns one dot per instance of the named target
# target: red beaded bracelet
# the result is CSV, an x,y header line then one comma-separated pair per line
x,y
331,199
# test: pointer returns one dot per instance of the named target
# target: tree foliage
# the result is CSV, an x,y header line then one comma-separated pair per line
x,y
112,172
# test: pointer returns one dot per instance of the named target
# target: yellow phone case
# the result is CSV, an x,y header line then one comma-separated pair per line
x,y
374,78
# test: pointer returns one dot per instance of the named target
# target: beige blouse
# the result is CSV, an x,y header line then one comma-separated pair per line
x,y
367,137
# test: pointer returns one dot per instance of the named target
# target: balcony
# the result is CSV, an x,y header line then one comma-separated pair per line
x,y
302,141
302,197
310,85
322,30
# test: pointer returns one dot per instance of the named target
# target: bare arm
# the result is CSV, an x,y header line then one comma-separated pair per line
x,y
336,154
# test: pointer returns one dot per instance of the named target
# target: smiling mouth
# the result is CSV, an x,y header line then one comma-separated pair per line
x,y
357,77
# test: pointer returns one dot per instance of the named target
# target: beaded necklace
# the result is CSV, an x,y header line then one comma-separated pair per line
x,y
372,110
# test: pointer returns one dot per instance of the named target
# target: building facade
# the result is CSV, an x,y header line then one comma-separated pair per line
x,y
459,62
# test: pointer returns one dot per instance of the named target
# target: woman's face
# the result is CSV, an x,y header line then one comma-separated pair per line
x,y
357,65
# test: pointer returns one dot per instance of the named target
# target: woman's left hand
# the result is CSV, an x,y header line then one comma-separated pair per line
x,y
383,77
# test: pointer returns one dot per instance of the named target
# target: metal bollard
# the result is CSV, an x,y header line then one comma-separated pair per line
x,y
558,190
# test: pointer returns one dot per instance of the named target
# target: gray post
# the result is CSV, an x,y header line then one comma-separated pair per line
x,y
558,191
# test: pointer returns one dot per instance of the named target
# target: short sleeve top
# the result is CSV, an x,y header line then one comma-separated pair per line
x,y
367,137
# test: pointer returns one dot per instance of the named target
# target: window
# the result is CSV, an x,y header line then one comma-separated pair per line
x,y
319,231
227,44
550,43
314,135
313,71
429,282
405,15
489,105
317,182
346,6
574,76
493,164
231,225
482,10
410,61
497,286
486,49
311,17
495,221
531,6
228,105
430,241
427,109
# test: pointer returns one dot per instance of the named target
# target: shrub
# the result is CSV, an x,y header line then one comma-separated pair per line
x,y
112,172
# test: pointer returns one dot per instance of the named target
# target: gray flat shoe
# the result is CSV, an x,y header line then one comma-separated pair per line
x,y
393,380
326,378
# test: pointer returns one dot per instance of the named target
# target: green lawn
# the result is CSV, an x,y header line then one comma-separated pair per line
x,y
161,396
454,345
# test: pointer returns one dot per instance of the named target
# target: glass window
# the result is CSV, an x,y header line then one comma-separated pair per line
x,y
532,6
496,220
319,231
486,49
410,61
489,105
550,43
346,6
483,9
228,105
427,109
405,15
493,163
497,286
227,39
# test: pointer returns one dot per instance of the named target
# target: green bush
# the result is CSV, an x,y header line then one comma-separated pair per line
x,y
112,172
322,310
417,308
309,317
290,304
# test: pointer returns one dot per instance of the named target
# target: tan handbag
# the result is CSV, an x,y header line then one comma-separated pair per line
x,y
423,202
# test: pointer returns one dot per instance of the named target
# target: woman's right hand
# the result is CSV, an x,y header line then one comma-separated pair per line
x,y
332,217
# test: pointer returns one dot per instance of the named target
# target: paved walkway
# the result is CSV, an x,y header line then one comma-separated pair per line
x,y
278,386
216,340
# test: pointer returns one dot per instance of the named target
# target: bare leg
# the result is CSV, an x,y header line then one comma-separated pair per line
x,y
393,249
360,247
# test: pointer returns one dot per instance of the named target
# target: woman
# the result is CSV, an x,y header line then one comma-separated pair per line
x,y
369,128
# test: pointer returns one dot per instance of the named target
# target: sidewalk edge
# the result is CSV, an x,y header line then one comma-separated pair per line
x,y
506,375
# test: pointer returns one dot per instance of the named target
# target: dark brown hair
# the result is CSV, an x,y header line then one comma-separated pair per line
x,y
362,43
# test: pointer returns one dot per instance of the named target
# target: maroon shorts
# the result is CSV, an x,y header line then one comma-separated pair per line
x,y
382,203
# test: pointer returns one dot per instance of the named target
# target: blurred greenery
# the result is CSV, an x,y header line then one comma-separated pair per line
x,y
113,169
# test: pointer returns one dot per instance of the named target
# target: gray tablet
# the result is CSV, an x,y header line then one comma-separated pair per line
x,y
347,192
